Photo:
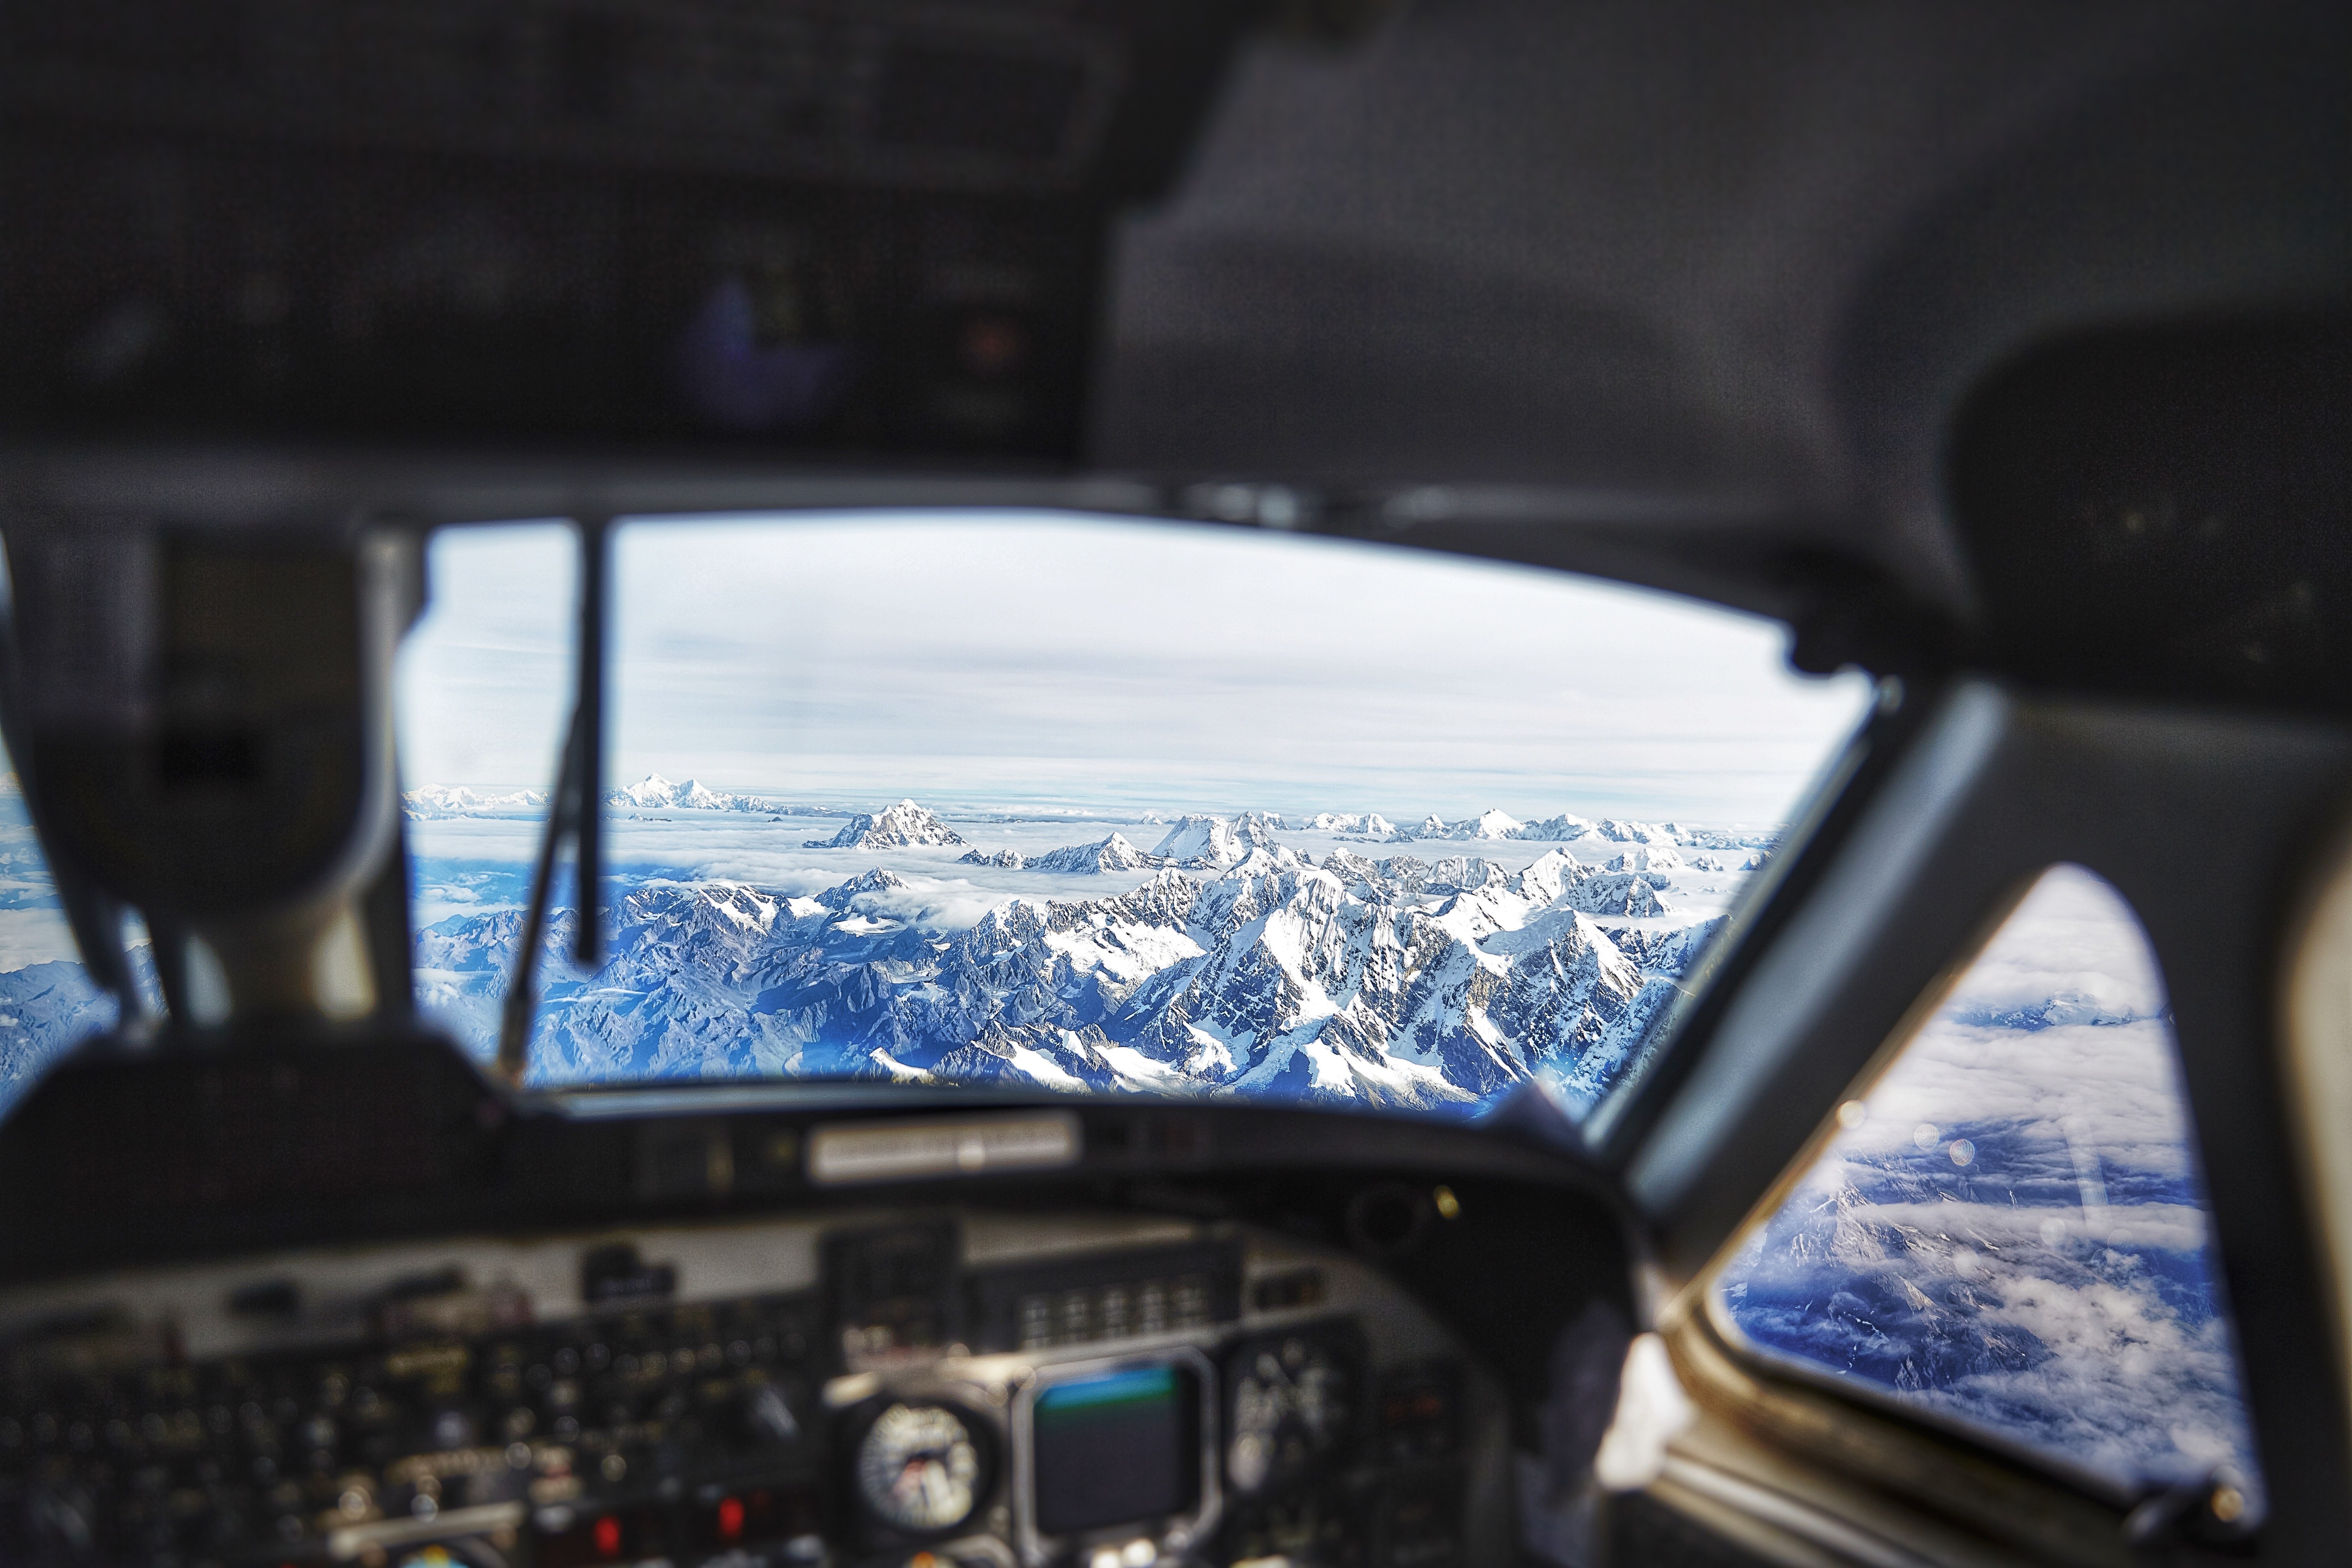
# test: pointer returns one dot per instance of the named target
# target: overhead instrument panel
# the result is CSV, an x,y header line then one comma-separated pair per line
x,y
806,227
933,1389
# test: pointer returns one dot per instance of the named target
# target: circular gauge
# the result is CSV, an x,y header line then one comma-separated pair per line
x,y
919,1469
1293,1403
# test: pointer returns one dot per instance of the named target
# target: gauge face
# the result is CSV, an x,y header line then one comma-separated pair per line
x,y
1293,1398
919,1469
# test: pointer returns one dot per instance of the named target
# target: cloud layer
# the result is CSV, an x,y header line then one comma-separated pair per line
x,y
2012,1235
1012,660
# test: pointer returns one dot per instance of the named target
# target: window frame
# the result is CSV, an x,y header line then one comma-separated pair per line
x,y
1702,1300
2048,777
1642,1079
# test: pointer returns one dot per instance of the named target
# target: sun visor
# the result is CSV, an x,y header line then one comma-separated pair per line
x,y
2161,511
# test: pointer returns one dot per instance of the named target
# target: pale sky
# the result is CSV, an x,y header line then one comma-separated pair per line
x,y
1010,660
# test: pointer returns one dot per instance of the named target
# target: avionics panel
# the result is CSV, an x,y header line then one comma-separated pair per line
x,y
725,1393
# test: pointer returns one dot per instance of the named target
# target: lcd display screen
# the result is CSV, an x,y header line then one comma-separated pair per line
x,y
1117,1449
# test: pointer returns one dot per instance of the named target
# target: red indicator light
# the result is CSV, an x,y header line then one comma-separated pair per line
x,y
730,1519
608,1537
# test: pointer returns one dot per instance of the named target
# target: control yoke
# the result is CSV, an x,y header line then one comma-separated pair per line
x,y
201,721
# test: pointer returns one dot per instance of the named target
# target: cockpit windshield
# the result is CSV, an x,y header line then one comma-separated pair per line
x,y
1085,804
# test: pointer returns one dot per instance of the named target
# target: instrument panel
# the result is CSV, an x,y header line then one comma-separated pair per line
x,y
935,1388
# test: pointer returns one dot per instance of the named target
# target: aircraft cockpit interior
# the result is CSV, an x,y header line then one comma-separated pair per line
x,y
1108,784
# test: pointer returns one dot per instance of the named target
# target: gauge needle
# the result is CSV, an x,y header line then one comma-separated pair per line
x,y
926,1484
938,1488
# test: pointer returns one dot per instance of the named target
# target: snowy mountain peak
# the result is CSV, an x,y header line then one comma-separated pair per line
x,y
1634,895
1554,872
1365,825
457,800
1636,832
873,880
1558,829
651,790
894,827
655,792
1206,843
1464,874
1111,854
1490,824
740,906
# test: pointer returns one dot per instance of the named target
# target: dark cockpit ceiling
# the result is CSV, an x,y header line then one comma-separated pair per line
x,y
1689,294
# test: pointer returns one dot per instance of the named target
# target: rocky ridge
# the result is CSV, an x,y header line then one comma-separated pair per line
x,y
1392,983
893,827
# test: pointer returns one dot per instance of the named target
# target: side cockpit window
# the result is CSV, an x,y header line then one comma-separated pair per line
x,y
2008,1229
47,1001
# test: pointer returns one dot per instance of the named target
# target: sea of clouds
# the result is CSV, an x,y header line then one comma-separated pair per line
x,y
2008,1229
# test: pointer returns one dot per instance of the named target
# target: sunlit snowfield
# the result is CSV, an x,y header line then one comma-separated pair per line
x,y
2015,1234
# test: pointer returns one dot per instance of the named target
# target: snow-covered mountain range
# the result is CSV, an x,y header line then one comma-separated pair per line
x,y
1397,982
1193,838
1225,958
1111,854
655,792
893,827
430,803
434,800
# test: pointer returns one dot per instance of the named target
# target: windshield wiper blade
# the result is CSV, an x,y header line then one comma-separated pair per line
x,y
574,812
522,987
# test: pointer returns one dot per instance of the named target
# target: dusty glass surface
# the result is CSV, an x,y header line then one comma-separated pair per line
x,y
2010,1230
1099,804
